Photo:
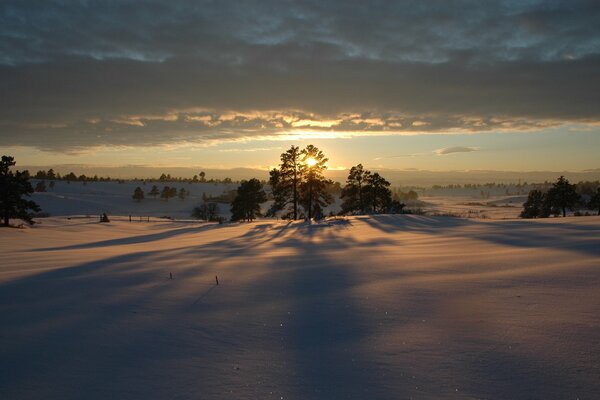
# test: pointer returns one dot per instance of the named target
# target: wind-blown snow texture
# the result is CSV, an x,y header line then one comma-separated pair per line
x,y
383,307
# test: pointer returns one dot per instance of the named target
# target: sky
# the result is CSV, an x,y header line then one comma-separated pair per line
x,y
432,85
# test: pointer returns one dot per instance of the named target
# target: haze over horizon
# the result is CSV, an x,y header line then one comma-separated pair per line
x,y
435,86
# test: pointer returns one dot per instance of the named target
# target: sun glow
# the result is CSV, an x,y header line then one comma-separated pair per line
x,y
310,161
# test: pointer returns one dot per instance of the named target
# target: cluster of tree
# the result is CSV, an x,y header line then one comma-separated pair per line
x,y
208,211
299,182
398,194
246,205
14,188
166,193
200,178
40,186
559,198
367,192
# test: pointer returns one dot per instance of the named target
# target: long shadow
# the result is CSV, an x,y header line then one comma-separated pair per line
x,y
324,332
526,234
131,239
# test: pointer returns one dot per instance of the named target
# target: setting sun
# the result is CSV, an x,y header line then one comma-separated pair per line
x,y
310,161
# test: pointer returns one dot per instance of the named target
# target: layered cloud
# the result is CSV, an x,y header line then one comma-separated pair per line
x,y
86,74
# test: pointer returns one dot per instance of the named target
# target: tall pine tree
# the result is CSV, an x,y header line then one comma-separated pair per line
x,y
13,187
562,195
378,193
246,205
285,184
313,188
353,194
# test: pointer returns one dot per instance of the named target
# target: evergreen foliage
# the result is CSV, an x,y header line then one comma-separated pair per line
x,y
138,194
246,206
353,194
562,195
40,186
154,191
13,187
594,203
314,195
168,192
285,184
532,208
379,196
206,211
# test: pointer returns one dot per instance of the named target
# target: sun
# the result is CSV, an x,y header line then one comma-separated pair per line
x,y
310,161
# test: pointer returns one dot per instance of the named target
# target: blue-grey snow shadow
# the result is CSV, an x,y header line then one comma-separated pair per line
x,y
527,234
152,237
325,331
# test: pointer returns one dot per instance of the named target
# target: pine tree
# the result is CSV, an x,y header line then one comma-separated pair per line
x,y
594,202
353,194
40,186
138,194
533,207
13,187
206,211
562,195
285,184
313,188
379,195
166,193
154,191
246,205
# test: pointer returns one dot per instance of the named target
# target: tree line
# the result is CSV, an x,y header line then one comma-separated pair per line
x,y
51,175
559,198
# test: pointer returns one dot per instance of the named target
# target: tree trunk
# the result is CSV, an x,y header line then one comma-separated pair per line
x,y
310,202
564,212
295,194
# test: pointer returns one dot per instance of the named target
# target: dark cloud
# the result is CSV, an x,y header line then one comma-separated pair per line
x,y
75,74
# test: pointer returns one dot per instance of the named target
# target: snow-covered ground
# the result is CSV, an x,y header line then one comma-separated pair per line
x,y
95,198
383,307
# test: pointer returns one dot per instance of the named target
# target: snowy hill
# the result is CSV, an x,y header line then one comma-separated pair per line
x,y
114,198
385,307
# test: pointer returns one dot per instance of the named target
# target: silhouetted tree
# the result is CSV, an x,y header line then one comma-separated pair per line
x,y
378,193
353,193
533,207
563,195
40,186
168,192
138,194
154,191
50,175
13,187
202,176
285,184
396,207
246,205
594,203
313,188
206,211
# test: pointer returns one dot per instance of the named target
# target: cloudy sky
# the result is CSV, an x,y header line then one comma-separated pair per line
x,y
507,85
